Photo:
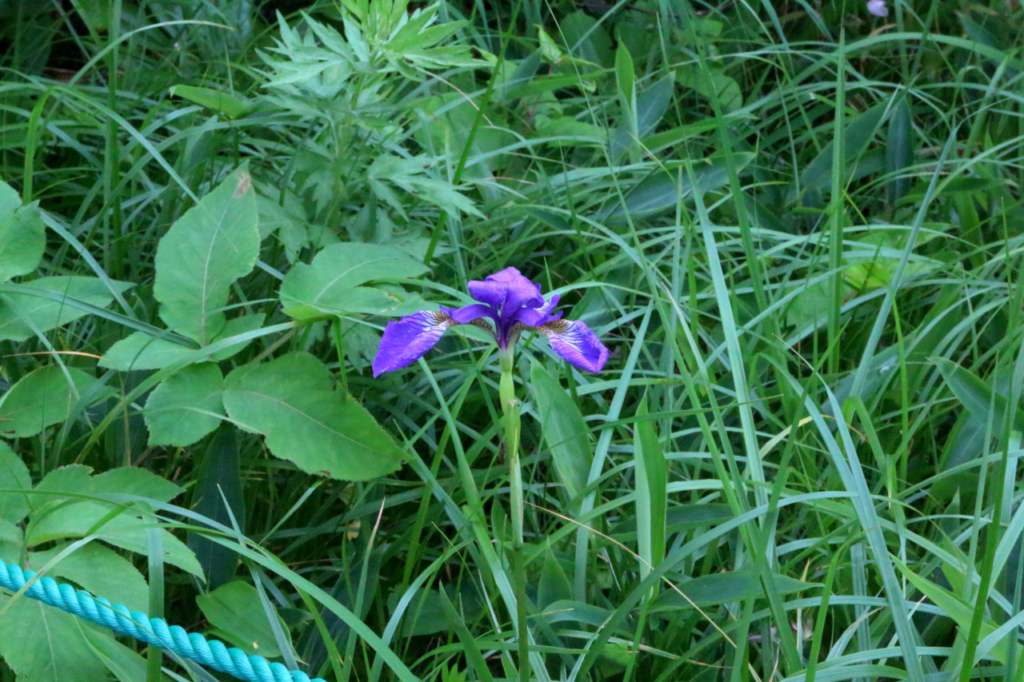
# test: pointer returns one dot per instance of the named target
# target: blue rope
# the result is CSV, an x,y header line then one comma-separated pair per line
x,y
153,631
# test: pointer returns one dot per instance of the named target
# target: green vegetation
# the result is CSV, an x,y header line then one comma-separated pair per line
x,y
798,227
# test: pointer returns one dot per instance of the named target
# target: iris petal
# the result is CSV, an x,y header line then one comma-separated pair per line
x,y
538,316
507,290
469,313
408,339
576,343
491,293
878,8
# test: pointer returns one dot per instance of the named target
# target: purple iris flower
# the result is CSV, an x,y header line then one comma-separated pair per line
x,y
514,304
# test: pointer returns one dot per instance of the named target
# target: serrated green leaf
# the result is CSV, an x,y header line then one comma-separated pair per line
x,y
185,407
22,235
63,514
127,530
76,478
44,644
132,481
13,475
71,478
236,611
141,351
331,283
20,312
98,569
291,401
205,251
12,541
42,398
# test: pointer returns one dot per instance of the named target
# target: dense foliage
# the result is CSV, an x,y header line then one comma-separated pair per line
x,y
797,226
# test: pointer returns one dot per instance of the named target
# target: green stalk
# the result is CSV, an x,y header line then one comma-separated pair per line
x,y
510,410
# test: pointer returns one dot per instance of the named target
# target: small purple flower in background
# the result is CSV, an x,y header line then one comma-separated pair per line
x,y
514,304
878,8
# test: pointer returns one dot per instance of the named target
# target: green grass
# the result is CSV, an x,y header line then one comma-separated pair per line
x,y
822,360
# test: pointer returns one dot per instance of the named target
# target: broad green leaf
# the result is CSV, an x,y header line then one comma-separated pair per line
x,y
76,478
572,133
13,475
125,664
628,132
978,397
553,54
237,614
712,81
58,516
292,402
44,397
237,326
12,541
663,189
625,76
44,644
22,235
565,432
288,220
587,38
132,481
205,251
651,491
219,481
126,530
227,104
331,283
363,300
21,312
185,407
426,614
810,306
554,584
954,607
73,478
98,569
579,612
860,130
651,105
681,517
899,150
722,588
140,351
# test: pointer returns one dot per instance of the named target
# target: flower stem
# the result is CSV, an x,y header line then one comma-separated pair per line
x,y
510,409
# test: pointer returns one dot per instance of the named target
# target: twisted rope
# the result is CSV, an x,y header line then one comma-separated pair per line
x,y
153,631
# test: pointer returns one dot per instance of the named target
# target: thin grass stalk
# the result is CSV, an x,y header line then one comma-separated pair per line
x,y
510,411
